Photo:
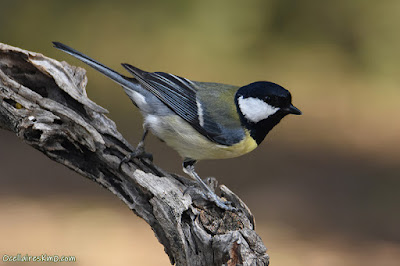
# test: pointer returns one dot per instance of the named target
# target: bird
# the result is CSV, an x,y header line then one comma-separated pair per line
x,y
200,120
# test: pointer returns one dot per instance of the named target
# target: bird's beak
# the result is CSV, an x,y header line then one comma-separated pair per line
x,y
293,110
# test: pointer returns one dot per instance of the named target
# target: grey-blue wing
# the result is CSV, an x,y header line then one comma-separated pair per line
x,y
186,99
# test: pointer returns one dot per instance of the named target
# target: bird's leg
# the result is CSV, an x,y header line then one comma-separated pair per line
x,y
139,152
188,168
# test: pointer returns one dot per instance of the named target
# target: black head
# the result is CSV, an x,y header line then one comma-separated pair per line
x,y
261,105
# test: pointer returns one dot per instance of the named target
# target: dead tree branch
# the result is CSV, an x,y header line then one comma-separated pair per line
x,y
44,103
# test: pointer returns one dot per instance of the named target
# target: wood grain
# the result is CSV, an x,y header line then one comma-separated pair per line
x,y
44,103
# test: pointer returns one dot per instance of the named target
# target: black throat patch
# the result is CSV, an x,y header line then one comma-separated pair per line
x,y
259,130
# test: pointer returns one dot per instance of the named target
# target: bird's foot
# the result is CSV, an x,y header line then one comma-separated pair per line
x,y
207,191
201,198
222,204
139,152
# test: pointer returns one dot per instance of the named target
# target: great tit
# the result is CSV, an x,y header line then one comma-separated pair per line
x,y
200,120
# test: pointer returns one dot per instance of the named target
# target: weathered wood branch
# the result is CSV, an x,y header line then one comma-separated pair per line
x,y
44,103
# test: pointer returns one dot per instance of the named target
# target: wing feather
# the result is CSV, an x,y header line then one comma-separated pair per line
x,y
182,97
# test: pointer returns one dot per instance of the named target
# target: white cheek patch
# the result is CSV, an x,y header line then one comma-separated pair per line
x,y
255,110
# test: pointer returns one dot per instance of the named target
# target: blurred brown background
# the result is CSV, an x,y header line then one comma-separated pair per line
x,y
324,187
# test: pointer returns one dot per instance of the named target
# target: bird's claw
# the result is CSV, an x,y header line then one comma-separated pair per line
x,y
225,205
139,152
202,198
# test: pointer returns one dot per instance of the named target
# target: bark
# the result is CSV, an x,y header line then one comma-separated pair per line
x,y
44,103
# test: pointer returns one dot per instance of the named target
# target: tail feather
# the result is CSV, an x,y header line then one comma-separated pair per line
x,y
115,76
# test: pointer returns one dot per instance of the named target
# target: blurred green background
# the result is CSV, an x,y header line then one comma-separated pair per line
x,y
324,187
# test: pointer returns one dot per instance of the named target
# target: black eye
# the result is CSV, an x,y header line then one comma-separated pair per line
x,y
273,100
277,101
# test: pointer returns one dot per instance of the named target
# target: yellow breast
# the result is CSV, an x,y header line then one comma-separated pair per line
x,y
244,146
189,143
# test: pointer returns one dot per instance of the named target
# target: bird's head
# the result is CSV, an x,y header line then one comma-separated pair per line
x,y
261,105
